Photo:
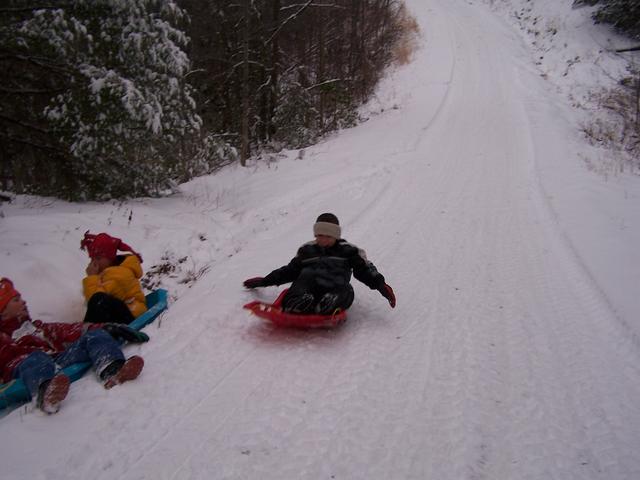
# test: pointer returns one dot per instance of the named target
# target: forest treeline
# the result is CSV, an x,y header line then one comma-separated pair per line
x,y
118,98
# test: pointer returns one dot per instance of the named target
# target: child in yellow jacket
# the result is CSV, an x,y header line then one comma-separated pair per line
x,y
112,285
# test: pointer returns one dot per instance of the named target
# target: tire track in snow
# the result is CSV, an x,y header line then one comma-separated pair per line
x,y
579,326
543,400
222,403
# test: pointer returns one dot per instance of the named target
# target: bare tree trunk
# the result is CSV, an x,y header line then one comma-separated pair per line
x,y
244,151
321,68
275,60
638,103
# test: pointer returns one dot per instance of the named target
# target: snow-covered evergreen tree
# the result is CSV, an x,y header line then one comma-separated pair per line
x,y
623,14
123,109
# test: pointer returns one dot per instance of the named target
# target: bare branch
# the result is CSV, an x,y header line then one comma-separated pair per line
x,y
22,141
33,8
287,20
326,82
632,49
22,124
25,91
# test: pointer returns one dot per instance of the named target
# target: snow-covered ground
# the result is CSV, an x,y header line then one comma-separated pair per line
x,y
514,350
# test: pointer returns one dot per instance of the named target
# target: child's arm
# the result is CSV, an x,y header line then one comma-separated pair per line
x,y
285,274
365,271
110,281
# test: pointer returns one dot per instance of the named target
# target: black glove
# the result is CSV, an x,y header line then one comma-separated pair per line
x,y
254,282
125,333
387,292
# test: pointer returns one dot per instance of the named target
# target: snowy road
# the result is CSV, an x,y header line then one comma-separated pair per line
x,y
503,359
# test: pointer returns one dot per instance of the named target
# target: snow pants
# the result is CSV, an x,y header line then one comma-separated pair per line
x,y
306,296
96,346
105,308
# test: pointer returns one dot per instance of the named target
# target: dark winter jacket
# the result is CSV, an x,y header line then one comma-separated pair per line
x,y
330,267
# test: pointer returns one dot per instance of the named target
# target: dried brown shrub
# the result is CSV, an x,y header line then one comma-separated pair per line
x,y
408,32
616,123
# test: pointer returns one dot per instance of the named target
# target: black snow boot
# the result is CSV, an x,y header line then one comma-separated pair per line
x,y
328,304
299,304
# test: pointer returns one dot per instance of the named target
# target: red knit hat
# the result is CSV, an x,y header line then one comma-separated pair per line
x,y
104,245
7,292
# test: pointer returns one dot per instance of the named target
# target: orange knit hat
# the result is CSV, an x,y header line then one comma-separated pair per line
x,y
7,292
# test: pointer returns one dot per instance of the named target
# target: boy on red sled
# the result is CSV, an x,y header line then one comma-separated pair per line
x,y
320,273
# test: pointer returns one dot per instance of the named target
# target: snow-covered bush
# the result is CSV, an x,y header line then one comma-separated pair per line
x,y
214,152
615,122
624,15
300,119
295,117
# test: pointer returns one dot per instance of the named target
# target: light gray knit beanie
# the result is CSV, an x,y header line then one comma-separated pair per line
x,y
327,224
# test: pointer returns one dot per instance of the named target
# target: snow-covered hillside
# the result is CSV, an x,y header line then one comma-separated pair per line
x,y
513,352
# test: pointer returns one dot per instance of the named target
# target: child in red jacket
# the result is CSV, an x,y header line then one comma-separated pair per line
x,y
35,351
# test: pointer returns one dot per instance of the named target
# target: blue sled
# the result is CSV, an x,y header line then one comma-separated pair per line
x,y
15,391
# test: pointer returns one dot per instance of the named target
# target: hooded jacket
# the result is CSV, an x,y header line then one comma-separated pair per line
x,y
121,281
330,267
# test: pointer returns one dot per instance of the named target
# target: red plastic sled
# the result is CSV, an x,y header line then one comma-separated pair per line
x,y
273,313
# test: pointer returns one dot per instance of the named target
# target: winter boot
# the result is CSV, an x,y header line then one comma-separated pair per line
x,y
52,392
119,371
327,304
299,304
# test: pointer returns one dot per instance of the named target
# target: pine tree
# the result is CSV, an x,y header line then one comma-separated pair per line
x,y
115,109
624,15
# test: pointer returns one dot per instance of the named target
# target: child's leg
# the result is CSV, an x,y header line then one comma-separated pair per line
x,y
95,346
99,348
104,308
300,297
345,298
37,368
336,300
